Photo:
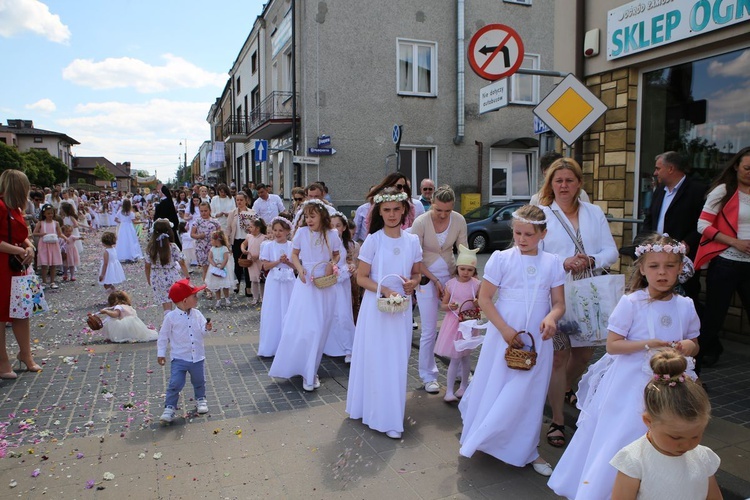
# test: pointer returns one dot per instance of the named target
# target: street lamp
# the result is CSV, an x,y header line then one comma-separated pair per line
x,y
184,165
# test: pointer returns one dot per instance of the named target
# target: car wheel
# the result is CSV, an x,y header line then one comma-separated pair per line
x,y
478,241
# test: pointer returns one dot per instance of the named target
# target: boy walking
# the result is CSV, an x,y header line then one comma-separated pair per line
x,y
183,329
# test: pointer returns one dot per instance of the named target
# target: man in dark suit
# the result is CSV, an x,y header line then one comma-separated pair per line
x,y
676,207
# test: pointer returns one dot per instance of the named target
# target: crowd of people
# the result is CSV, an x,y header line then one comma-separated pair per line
x,y
332,286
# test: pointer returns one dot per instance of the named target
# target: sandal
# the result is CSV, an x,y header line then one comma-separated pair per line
x,y
571,398
556,441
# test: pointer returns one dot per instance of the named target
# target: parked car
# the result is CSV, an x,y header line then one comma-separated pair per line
x,y
489,226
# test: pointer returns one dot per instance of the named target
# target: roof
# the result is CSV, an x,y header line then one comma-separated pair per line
x,y
25,130
85,163
517,143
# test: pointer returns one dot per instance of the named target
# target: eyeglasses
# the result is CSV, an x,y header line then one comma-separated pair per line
x,y
428,189
298,199
400,187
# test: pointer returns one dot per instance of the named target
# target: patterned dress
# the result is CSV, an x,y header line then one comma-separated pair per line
x,y
203,245
164,276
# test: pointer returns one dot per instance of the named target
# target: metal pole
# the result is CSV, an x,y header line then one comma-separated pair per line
x,y
541,72
298,171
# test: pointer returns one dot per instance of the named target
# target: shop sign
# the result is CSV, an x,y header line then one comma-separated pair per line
x,y
646,24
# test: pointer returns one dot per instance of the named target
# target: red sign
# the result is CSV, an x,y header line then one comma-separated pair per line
x,y
495,52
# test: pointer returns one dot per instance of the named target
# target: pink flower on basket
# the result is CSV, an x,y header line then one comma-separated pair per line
x,y
335,270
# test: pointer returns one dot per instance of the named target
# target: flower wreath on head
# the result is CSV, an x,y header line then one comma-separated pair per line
x,y
339,214
162,219
524,220
283,220
382,198
677,248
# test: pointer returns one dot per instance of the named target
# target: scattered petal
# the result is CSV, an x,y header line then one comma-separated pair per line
x,y
90,484
79,456
217,430
157,455
35,472
13,484
141,456
238,433
108,476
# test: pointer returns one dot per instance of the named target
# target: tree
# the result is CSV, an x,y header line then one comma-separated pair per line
x,y
9,157
36,169
142,173
55,165
101,172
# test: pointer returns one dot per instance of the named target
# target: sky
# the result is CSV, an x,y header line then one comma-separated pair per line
x,y
131,80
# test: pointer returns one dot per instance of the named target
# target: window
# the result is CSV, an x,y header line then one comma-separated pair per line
x,y
275,77
417,68
287,69
511,174
417,163
238,85
38,140
254,62
524,89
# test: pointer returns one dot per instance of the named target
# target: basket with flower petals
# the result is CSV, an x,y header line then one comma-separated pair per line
x,y
395,303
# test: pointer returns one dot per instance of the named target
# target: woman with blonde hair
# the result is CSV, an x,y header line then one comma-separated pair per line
x,y
14,244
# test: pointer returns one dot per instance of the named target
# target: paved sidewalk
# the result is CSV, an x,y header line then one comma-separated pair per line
x,y
94,410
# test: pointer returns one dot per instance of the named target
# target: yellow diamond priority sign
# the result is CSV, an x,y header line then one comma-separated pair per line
x,y
570,109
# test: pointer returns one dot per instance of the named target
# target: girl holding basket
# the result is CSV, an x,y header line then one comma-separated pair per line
x,y
389,272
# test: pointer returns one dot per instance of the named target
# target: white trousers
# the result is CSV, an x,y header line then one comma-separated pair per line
x,y
428,302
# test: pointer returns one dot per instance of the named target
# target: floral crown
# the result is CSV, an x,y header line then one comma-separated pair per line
x,y
312,201
520,218
283,220
675,248
339,214
381,198
668,379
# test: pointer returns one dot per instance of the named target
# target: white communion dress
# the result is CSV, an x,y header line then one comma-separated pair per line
x,y
128,247
128,327
278,291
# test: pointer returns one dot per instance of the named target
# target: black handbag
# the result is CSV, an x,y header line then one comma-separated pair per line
x,y
13,262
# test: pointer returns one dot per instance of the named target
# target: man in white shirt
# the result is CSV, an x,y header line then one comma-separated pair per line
x,y
268,205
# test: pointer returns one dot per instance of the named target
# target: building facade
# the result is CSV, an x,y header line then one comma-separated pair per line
x,y
24,136
358,69
675,76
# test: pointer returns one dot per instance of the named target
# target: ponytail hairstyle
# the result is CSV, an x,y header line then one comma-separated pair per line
x,y
118,297
160,244
654,243
259,223
388,194
671,393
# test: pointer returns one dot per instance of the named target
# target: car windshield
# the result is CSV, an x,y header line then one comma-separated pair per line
x,y
483,212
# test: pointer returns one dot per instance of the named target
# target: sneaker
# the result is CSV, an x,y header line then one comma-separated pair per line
x,y
432,387
348,358
201,406
168,415
316,384
543,469
393,434
218,304
54,286
227,302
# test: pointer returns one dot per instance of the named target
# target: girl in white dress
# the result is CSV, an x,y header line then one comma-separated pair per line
x,y
341,336
609,394
122,323
111,273
668,462
220,276
315,252
188,244
382,340
277,263
502,407
128,246
70,218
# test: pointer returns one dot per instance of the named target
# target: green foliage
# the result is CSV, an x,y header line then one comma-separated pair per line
x,y
143,173
55,165
101,172
9,157
36,169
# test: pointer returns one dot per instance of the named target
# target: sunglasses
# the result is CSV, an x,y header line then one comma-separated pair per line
x,y
298,199
400,187
428,189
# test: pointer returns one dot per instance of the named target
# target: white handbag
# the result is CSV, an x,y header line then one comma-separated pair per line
x,y
49,238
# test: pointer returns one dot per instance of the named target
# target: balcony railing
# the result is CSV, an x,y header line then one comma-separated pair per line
x,y
276,108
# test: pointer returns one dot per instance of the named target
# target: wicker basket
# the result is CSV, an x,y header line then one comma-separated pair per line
x,y
473,313
323,281
518,359
386,305
94,322
244,262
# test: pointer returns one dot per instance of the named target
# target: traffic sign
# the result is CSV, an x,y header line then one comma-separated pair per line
x,y
396,134
311,160
321,151
495,51
493,96
570,109
114,184
261,150
324,140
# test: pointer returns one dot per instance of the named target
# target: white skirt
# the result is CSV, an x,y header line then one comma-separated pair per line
x,y
215,283
275,303
128,329
341,336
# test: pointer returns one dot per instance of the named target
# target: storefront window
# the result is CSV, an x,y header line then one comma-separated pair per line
x,y
700,109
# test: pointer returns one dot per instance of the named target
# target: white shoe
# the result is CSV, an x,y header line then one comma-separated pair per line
x,y
307,388
226,301
450,398
348,358
432,387
218,304
544,469
168,415
316,384
393,434
201,406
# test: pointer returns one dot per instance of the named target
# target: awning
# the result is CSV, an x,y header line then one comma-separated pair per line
x,y
517,143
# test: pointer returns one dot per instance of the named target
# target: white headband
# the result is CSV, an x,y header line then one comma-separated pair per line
x,y
520,218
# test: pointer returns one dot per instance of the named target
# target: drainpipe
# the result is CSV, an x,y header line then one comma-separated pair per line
x,y
579,67
480,160
459,73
